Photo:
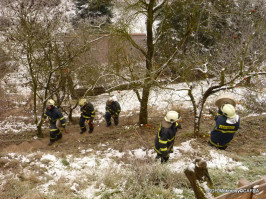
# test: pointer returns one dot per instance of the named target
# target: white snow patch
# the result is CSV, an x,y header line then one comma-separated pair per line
x,y
223,162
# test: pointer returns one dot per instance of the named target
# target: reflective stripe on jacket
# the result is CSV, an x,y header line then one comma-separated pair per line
x,y
113,108
165,138
54,114
87,111
223,132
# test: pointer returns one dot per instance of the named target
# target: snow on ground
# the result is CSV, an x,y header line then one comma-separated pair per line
x,y
15,125
76,169
159,100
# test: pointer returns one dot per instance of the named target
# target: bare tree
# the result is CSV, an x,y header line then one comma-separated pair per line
x,y
149,73
36,41
232,61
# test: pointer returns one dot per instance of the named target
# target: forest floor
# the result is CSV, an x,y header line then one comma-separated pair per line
x,y
249,140
248,145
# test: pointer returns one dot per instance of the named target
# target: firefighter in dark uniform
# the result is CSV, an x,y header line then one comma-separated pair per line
x,y
87,114
112,110
227,123
164,140
54,115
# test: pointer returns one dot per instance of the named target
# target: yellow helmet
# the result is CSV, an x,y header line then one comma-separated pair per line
x,y
50,102
172,116
228,110
82,102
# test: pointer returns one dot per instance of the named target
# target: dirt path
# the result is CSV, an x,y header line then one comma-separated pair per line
x,y
121,137
129,136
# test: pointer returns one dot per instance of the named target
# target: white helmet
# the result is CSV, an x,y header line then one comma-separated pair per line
x,y
50,102
228,110
82,102
172,116
113,98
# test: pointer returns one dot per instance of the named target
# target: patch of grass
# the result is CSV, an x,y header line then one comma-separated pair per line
x,y
142,179
229,180
65,162
45,161
3,161
61,190
17,189
12,164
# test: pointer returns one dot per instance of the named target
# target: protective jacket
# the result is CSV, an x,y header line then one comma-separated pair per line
x,y
54,114
87,111
164,140
224,130
113,108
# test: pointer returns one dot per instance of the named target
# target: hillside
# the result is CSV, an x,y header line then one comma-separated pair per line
x,y
118,162
154,56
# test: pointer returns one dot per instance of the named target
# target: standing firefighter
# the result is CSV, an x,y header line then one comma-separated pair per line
x,y
87,114
54,115
112,110
165,138
227,123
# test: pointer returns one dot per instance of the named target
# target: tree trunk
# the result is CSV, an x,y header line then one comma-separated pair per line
x,y
196,126
39,130
143,115
70,118
200,179
197,118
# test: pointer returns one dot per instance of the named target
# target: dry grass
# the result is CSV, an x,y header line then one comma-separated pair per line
x,y
17,189
139,178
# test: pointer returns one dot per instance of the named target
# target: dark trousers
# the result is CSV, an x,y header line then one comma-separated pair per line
x,y
55,133
82,123
108,118
163,158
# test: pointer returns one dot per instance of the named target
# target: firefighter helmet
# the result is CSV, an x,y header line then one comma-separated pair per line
x,y
113,98
82,102
172,116
228,110
50,102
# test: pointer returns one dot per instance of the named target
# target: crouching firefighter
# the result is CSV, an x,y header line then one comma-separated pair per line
x,y
87,115
227,123
57,121
112,110
164,140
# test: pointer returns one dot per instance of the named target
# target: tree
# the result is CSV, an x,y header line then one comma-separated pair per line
x,y
36,41
151,71
230,59
95,12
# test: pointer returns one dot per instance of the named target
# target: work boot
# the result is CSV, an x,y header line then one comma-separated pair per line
x,y
50,143
157,157
59,137
164,159
81,132
91,130
108,124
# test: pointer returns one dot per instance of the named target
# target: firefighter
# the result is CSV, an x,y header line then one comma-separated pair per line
x,y
54,115
112,110
227,123
164,140
87,114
